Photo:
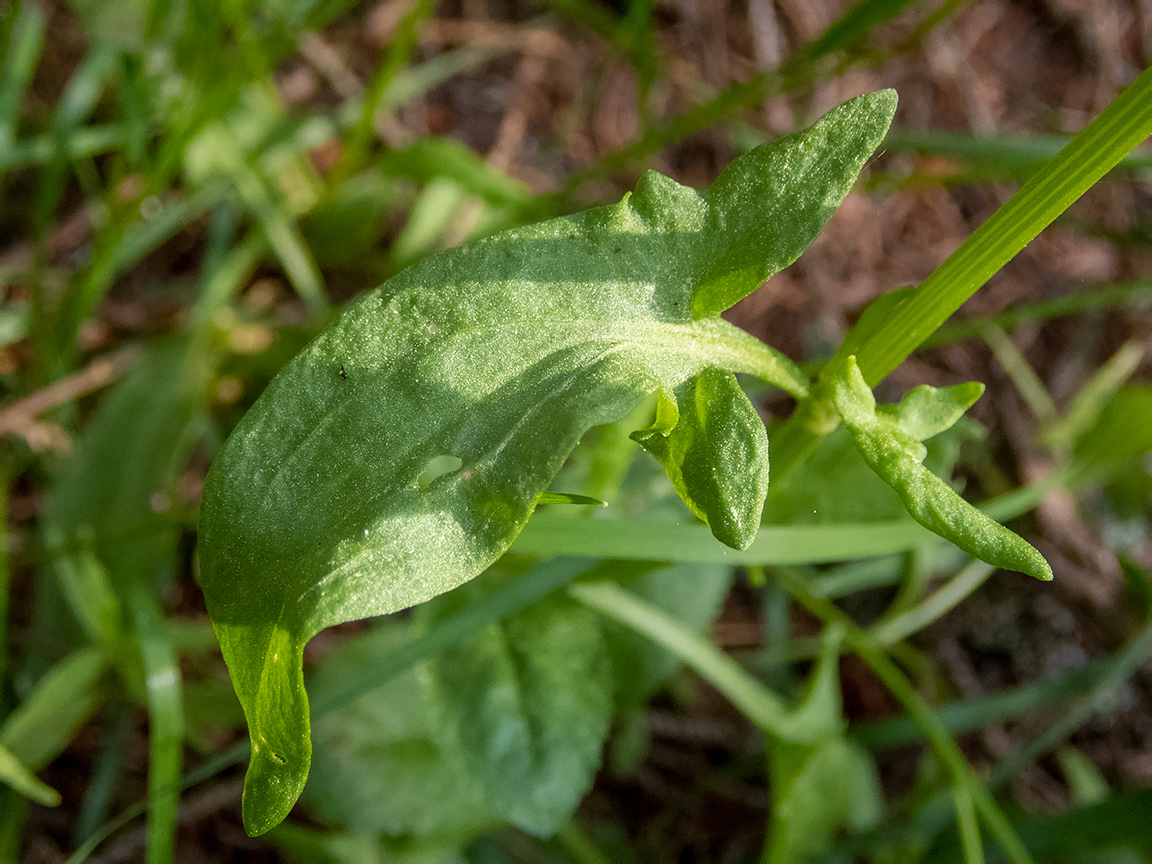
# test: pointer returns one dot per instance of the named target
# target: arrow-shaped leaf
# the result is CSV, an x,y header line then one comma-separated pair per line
x,y
500,355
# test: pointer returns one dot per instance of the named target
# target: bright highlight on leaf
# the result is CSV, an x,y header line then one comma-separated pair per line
x,y
889,438
330,503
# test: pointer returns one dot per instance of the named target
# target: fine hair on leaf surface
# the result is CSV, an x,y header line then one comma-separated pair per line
x,y
500,355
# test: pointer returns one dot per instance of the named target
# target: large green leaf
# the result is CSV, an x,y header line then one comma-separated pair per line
x,y
889,438
500,354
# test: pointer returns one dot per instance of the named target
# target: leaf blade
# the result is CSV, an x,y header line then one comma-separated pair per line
x,y
501,355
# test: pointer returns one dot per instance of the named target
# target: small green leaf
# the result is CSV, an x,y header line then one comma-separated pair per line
x,y
500,354
817,789
805,497
889,438
15,774
716,454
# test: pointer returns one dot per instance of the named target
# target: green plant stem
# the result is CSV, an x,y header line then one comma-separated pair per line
x,y
935,606
755,701
969,826
941,740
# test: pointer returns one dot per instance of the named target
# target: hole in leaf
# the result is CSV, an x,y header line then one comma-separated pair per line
x,y
276,757
436,468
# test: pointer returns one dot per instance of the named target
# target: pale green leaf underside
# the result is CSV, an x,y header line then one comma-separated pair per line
x,y
889,439
500,355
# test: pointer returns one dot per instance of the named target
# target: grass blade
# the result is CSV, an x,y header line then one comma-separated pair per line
x,y
1014,156
16,774
657,540
23,52
62,701
165,724
1091,154
81,144
1136,294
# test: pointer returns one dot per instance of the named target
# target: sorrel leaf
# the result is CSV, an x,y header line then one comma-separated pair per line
x,y
498,356
889,438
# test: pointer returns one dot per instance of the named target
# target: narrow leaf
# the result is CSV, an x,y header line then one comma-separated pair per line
x,y
889,440
61,702
570,498
500,354
16,775
666,540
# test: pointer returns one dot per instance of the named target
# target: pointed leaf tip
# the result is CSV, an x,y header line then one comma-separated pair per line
x,y
767,206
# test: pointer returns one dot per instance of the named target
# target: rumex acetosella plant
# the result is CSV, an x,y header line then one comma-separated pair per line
x,y
399,455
